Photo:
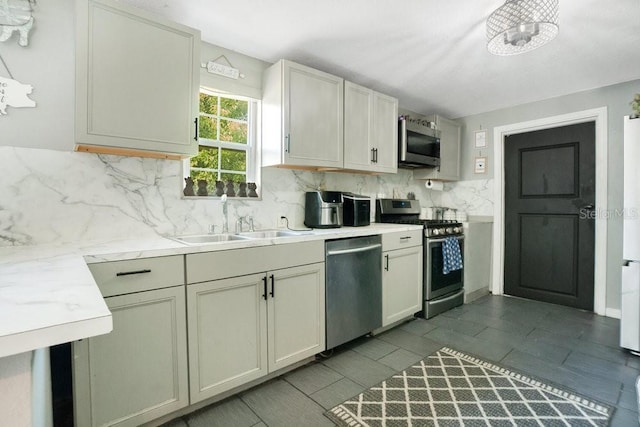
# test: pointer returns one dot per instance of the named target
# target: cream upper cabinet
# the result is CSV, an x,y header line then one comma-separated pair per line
x,y
302,117
370,130
401,275
137,81
449,169
385,133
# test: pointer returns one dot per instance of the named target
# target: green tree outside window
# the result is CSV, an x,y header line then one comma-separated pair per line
x,y
225,146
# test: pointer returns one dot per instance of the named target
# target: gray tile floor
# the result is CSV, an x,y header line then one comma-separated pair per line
x,y
569,347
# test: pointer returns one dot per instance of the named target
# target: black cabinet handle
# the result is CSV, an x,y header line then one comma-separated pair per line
x,y
129,273
273,288
264,283
405,238
375,150
195,137
386,267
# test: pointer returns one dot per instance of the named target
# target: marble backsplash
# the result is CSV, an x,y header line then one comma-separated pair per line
x,y
49,196
472,197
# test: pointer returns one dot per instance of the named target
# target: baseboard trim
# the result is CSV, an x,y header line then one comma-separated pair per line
x,y
474,295
612,312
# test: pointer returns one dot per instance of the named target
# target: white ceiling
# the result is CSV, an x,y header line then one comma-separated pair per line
x,y
431,54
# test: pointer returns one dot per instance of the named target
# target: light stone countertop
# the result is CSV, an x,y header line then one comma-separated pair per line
x,y
48,295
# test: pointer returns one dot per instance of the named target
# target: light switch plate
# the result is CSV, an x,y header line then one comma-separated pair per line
x,y
480,165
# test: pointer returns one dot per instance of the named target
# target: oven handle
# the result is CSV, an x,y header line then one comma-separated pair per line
x,y
450,297
354,250
443,239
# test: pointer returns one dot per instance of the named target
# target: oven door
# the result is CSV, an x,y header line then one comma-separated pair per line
x,y
436,283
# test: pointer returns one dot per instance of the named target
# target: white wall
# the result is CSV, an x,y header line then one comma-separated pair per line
x,y
48,65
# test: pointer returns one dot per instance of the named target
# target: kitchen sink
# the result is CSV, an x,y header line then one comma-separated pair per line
x,y
200,239
268,234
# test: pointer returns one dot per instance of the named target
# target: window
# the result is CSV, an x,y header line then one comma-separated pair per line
x,y
227,137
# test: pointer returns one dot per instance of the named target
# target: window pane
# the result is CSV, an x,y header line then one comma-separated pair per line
x,y
208,104
234,108
207,158
234,160
235,178
233,131
207,127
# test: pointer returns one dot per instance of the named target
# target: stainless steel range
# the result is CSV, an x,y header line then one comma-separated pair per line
x,y
441,291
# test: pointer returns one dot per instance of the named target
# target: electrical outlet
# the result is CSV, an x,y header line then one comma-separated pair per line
x,y
282,221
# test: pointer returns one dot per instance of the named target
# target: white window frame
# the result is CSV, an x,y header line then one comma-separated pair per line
x,y
252,147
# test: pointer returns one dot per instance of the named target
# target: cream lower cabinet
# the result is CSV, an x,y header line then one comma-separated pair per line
x,y
401,275
138,372
241,328
227,334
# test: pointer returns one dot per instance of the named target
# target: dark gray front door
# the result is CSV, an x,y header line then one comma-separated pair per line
x,y
549,221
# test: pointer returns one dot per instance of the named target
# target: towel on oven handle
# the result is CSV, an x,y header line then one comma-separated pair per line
x,y
451,255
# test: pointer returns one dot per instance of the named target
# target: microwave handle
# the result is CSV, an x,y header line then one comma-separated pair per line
x,y
402,139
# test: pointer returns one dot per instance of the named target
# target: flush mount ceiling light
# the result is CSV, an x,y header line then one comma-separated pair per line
x,y
519,26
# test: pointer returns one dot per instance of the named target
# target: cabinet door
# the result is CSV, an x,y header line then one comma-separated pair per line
x,y
401,284
296,314
313,117
370,130
449,169
385,133
449,149
138,372
227,334
137,79
358,113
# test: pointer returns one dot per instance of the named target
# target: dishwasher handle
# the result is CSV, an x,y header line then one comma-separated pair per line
x,y
354,250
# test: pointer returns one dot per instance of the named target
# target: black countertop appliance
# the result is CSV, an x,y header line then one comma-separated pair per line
x,y
323,209
357,210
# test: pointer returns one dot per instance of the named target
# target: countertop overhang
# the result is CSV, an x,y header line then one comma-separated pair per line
x,y
48,295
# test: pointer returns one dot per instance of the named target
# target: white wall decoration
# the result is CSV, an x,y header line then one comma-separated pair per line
x,y
15,15
14,94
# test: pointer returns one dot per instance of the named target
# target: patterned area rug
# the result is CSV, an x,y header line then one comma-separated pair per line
x,y
450,388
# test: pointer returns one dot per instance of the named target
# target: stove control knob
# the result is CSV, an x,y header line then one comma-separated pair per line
x,y
435,232
449,230
457,229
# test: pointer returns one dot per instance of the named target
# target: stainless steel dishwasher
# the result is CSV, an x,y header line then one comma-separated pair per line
x,y
353,288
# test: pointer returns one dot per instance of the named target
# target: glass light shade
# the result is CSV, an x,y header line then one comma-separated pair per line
x,y
519,26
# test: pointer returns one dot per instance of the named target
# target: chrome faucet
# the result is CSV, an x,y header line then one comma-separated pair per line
x,y
225,214
244,219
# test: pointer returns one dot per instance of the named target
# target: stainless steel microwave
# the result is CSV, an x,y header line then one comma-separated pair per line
x,y
418,143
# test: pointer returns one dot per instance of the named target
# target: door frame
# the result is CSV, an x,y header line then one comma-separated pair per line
x,y
599,116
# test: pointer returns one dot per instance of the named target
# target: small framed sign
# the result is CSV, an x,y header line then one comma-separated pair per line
x,y
481,138
480,165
